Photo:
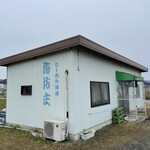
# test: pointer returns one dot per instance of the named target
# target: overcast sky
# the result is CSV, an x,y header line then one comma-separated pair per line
x,y
120,25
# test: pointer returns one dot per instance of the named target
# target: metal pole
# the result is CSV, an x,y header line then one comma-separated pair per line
x,y
67,103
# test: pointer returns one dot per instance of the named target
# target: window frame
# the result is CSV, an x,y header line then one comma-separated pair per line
x,y
25,86
91,82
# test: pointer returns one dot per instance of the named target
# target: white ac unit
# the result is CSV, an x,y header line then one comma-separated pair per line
x,y
55,130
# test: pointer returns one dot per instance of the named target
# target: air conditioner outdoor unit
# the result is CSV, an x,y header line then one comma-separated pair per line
x,y
55,130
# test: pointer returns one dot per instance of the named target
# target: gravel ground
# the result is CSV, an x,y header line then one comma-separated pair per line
x,y
142,143
125,136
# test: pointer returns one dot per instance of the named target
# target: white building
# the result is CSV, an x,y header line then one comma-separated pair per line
x,y
74,79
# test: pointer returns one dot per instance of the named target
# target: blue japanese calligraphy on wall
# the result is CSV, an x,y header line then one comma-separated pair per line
x,y
46,68
46,99
56,79
46,83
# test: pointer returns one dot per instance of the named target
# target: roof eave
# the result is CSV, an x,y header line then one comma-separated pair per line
x,y
69,43
104,51
51,48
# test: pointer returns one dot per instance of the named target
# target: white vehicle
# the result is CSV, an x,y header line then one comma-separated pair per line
x,y
3,116
3,111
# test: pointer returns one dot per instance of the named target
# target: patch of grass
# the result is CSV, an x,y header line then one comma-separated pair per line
x,y
147,98
2,103
36,130
108,138
15,127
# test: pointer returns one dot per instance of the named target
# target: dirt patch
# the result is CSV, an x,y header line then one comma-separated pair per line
x,y
148,110
147,93
126,136
111,137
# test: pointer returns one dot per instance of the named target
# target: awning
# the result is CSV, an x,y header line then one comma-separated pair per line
x,y
127,77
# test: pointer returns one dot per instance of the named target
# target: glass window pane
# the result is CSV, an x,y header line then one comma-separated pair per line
x,y
26,90
96,94
99,93
105,91
123,90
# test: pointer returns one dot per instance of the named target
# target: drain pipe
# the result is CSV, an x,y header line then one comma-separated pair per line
x,y
135,86
67,103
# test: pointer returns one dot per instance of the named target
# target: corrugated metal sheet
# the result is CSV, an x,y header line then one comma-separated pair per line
x,y
83,68
29,110
94,68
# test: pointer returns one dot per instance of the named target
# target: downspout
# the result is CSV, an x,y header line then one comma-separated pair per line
x,y
135,86
67,103
143,88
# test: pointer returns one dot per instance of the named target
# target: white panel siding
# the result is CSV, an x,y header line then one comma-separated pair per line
x,y
29,110
94,68
139,100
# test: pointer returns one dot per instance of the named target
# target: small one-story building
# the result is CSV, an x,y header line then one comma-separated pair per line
x,y
75,80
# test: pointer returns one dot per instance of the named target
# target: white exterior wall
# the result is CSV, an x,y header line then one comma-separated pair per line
x,y
29,110
136,102
139,100
94,68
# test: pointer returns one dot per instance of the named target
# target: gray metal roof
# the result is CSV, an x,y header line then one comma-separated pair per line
x,y
69,43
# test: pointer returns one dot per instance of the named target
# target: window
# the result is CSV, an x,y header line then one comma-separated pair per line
x,y
123,89
26,90
138,91
99,93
